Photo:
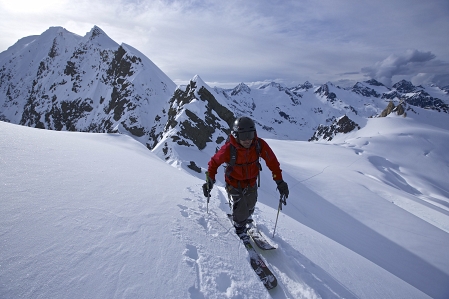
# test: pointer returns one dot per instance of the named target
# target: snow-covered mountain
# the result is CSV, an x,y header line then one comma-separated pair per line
x,y
304,112
62,81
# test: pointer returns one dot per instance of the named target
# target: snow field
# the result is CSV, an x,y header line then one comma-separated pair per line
x,y
99,216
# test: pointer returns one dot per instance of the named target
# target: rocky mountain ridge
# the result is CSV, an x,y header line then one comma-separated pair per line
x,y
62,81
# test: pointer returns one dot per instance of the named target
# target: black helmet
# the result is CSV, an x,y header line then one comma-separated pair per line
x,y
244,128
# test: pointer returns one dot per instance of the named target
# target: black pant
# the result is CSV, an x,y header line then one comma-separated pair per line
x,y
243,203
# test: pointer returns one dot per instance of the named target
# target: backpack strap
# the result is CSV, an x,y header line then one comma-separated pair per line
x,y
233,158
258,150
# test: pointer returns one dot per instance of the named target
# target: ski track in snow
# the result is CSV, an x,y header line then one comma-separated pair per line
x,y
214,276
288,268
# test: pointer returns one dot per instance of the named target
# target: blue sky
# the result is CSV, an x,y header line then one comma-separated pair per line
x,y
253,41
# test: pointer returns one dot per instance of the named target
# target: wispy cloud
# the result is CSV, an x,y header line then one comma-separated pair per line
x,y
249,41
416,65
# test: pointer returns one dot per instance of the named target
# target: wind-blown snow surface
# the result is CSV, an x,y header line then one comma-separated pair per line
x,y
87,215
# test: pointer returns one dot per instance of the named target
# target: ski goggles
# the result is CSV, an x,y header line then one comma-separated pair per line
x,y
247,135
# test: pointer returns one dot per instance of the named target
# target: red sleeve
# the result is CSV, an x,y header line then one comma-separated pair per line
x,y
220,157
270,159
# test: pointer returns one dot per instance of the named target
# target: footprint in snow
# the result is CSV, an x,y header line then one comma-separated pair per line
x,y
191,251
184,210
223,282
191,257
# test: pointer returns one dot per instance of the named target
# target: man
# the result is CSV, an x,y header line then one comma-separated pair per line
x,y
241,177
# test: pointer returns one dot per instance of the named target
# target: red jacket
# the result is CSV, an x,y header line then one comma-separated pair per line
x,y
246,166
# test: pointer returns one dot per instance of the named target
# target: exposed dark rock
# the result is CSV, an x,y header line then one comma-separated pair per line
x,y
70,69
364,90
54,49
294,97
220,139
388,109
341,125
374,82
323,90
391,95
121,65
104,126
241,88
3,118
273,84
400,110
392,108
194,167
424,100
135,130
222,111
196,130
404,86
306,85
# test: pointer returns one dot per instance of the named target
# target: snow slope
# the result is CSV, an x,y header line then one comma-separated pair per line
x,y
87,215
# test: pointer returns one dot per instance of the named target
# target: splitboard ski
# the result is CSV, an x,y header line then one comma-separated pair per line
x,y
257,237
266,276
257,263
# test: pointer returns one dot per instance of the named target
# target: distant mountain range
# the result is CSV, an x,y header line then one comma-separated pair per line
x,y
62,81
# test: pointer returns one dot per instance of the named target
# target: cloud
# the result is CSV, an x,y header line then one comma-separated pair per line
x,y
250,41
441,80
412,64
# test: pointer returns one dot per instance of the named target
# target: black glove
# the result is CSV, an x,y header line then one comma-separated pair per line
x,y
207,186
283,189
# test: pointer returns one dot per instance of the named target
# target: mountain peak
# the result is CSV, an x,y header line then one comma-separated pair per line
x,y
404,86
52,33
307,85
54,30
242,87
96,31
199,82
364,90
98,36
374,82
279,86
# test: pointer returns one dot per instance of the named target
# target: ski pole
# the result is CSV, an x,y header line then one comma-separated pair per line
x,y
281,201
208,191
